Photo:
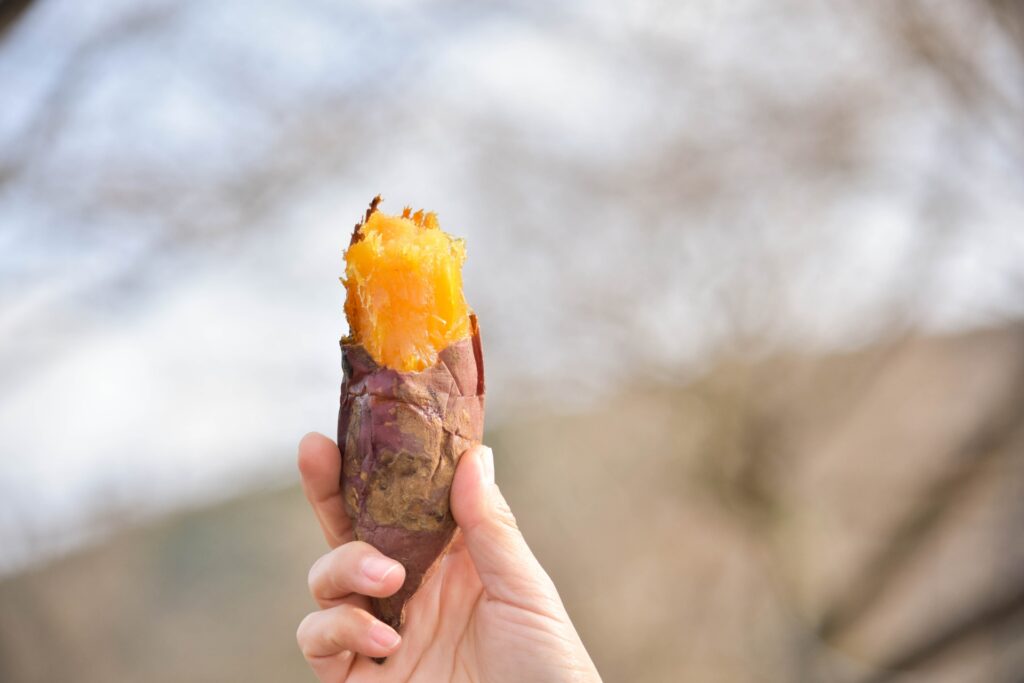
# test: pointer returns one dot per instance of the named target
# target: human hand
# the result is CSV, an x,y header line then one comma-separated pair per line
x,y
488,612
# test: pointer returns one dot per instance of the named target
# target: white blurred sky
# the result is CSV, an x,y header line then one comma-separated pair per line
x,y
146,371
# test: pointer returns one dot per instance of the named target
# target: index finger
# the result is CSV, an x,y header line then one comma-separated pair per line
x,y
320,466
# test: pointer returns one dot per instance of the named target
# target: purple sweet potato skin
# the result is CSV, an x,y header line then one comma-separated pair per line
x,y
401,435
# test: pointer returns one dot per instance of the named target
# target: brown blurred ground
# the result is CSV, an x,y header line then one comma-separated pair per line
x,y
791,519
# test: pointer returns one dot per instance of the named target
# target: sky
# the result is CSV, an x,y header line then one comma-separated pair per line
x,y
640,189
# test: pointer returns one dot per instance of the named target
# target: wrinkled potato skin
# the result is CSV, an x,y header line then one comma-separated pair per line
x,y
401,435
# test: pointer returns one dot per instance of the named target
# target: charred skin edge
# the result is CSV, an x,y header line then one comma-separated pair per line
x,y
401,435
356,235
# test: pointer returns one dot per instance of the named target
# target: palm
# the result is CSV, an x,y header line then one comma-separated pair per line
x,y
499,620
451,632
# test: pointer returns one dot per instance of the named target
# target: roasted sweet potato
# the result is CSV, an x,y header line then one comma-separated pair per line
x,y
412,398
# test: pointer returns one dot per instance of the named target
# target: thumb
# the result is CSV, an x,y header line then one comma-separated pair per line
x,y
507,568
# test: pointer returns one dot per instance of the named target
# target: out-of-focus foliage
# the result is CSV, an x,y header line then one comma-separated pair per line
x,y
824,519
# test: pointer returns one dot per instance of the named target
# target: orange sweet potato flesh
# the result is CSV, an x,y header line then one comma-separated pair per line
x,y
409,407
403,284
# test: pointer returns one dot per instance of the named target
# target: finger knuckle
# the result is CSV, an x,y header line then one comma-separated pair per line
x,y
313,578
339,574
357,551
304,632
354,622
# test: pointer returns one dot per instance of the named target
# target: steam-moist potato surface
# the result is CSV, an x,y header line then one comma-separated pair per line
x,y
403,283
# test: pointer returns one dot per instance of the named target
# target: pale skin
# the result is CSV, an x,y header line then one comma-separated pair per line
x,y
488,613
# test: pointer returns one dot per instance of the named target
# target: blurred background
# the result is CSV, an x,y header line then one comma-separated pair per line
x,y
750,276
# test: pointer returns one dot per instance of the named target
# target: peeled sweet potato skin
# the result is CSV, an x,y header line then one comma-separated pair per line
x,y
401,435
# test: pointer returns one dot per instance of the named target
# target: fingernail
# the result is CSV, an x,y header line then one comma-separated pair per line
x,y
487,461
384,635
377,568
